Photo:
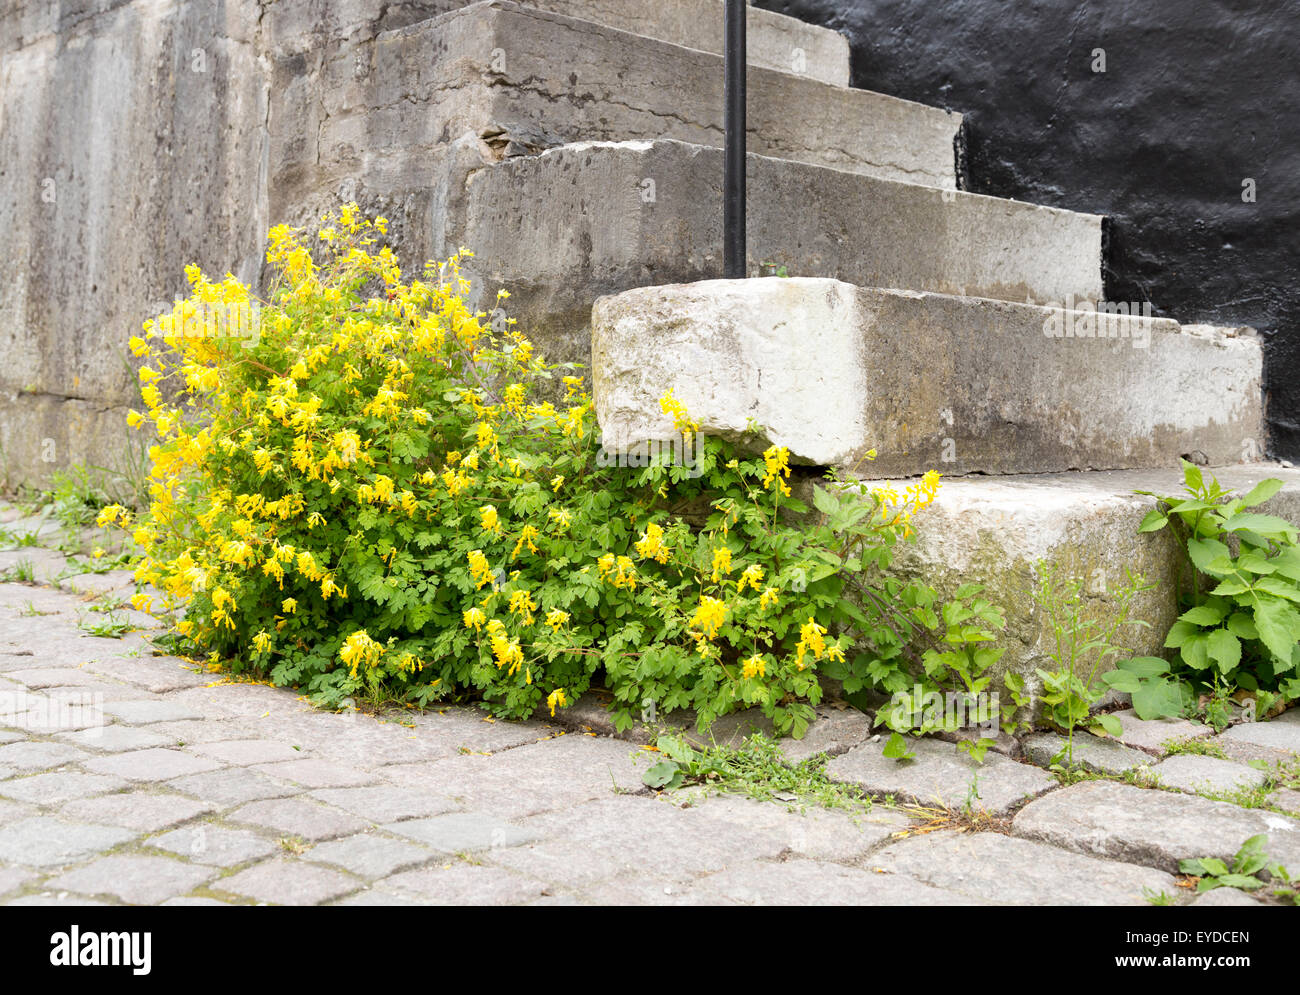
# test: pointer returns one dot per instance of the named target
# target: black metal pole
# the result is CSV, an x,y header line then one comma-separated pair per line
x,y
733,190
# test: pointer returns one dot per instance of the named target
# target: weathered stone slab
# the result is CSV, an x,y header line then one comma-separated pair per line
x,y
151,765
44,842
1151,827
100,583
61,786
64,387
775,41
1287,799
134,879
554,773
1010,871
312,773
832,371
633,836
244,752
993,531
297,817
143,712
811,882
1105,756
462,832
940,775
215,845
578,222
385,803
115,738
289,882
490,71
33,755
147,813
1280,733
1206,775
156,674
465,884
369,856
234,786
1153,735
1221,898
816,833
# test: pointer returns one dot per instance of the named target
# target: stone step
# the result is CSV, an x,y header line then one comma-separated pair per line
x,y
774,41
520,79
581,221
993,531
928,381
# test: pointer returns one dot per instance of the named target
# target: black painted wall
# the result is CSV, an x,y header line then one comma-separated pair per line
x,y
1197,97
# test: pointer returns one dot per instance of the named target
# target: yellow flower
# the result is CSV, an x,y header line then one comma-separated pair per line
x,y
262,641
721,562
709,616
556,699
769,598
480,570
289,605
490,522
109,514
526,537
474,619
754,667
521,604
360,649
810,639
651,544
557,619
777,459
752,576
682,421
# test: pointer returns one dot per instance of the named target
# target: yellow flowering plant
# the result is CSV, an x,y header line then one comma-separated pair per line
x,y
369,489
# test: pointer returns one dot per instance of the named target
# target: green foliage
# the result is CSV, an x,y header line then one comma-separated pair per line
x,y
756,769
1240,627
384,492
1082,644
1250,862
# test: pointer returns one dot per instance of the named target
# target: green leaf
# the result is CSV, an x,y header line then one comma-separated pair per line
x,y
1204,552
824,501
1261,492
1266,525
1153,521
1279,627
1206,614
662,775
1122,680
896,748
1145,666
1111,724
1224,649
1241,625
1158,699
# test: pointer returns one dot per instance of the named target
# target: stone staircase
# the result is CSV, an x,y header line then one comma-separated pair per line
x,y
574,146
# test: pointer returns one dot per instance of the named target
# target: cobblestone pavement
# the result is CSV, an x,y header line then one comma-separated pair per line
x,y
128,777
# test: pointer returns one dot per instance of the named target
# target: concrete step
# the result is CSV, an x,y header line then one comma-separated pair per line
x,y
581,221
992,531
774,41
958,384
521,79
